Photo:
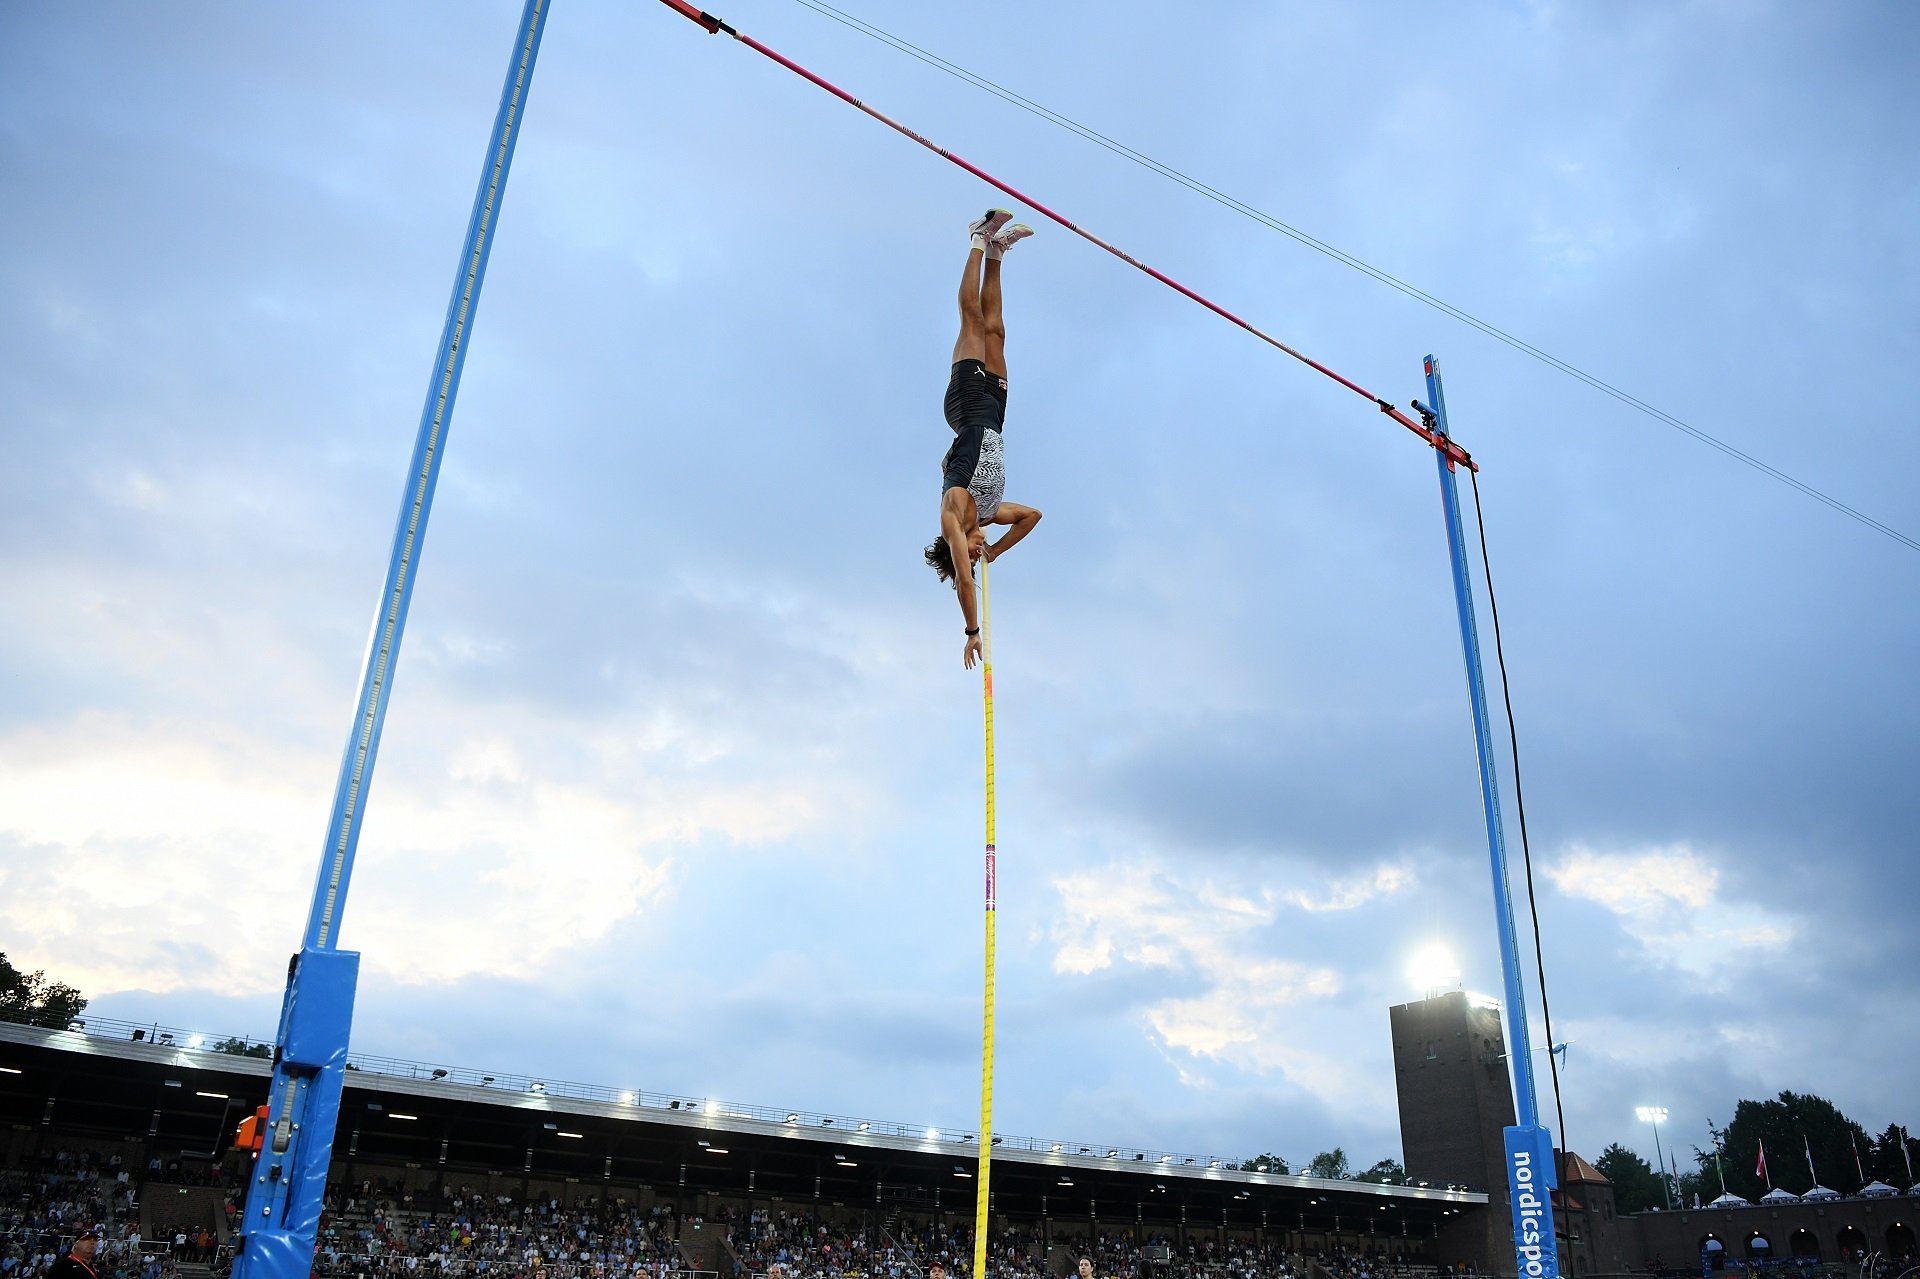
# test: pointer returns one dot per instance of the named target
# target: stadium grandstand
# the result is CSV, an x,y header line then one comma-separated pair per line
x,y
459,1172
444,1172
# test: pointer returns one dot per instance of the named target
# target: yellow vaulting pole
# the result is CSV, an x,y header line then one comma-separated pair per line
x,y
981,1190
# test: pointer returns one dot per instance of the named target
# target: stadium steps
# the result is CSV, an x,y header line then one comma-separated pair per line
x,y
703,1247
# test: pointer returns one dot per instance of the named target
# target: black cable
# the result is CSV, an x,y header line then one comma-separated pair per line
x,y
1347,259
1526,851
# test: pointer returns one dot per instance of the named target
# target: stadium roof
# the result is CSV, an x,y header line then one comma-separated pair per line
x,y
102,1080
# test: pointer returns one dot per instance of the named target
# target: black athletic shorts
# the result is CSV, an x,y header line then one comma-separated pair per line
x,y
976,403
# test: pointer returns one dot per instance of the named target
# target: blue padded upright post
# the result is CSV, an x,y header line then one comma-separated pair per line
x,y
1529,1158
289,1177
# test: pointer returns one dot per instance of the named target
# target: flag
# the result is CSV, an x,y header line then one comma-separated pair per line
x,y
1856,1158
1760,1169
1906,1154
1810,1172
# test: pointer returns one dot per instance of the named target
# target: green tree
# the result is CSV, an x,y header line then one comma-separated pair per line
x,y
241,1048
1636,1186
1268,1162
1387,1172
32,999
1331,1164
1792,1125
1886,1162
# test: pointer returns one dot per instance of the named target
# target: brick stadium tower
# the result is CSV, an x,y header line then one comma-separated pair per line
x,y
1450,1070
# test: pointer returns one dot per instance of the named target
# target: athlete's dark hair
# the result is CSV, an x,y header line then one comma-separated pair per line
x,y
940,558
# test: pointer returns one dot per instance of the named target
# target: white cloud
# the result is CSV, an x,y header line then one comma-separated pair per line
x,y
1243,1012
1669,900
158,855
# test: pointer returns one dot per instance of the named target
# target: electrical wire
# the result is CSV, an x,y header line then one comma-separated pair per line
x,y
1391,281
1526,850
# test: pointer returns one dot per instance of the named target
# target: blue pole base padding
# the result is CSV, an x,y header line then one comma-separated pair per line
x,y
1530,1184
281,1221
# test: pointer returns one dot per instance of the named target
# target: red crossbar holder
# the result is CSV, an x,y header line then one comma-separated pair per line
x,y
713,25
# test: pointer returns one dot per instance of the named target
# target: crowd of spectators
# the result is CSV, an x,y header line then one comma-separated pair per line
x,y
43,1209
367,1234
370,1231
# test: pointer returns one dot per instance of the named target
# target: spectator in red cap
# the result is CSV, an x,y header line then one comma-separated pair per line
x,y
78,1263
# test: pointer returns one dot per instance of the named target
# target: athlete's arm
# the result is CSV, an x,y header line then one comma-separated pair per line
x,y
955,533
1023,518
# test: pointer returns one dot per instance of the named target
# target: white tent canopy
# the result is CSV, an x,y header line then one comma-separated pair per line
x,y
1779,1197
1821,1192
1877,1190
1728,1200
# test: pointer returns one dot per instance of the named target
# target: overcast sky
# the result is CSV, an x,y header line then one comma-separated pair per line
x,y
681,785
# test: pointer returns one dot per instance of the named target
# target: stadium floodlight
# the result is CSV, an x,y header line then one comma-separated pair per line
x,y
1056,1148
439,1072
537,1088
1113,1154
865,1126
933,1134
194,1041
629,1098
792,1117
1655,1115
